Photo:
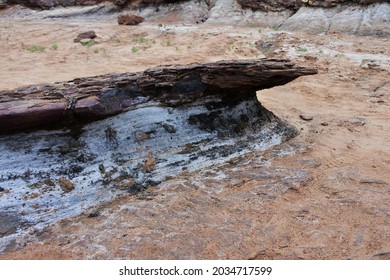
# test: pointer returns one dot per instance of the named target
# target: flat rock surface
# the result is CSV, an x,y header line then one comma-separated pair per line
x,y
322,195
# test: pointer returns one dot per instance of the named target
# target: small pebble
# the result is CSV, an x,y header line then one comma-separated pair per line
x,y
66,185
94,214
306,117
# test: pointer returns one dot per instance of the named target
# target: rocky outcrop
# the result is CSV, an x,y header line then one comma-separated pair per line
x,y
271,5
102,96
3,4
47,4
280,5
173,119
129,19
359,20
367,20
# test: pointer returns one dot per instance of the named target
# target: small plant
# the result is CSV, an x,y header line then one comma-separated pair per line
x,y
96,50
54,46
134,49
87,43
140,40
339,55
301,49
36,48
321,51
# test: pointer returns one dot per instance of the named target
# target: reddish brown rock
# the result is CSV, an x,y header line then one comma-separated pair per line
x,y
85,35
129,19
3,4
66,185
102,96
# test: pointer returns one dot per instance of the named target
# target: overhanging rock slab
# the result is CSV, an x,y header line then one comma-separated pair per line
x,y
126,132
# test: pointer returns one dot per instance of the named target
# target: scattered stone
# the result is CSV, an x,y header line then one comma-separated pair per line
x,y
149,163
85,35
3,4
324,124
111,134
94,214
306,117
372,181
21,245
66,185
102,169
382,256
126,184
1,189
49,182
169,128
137,188
142,136
129,19
268,48
310,58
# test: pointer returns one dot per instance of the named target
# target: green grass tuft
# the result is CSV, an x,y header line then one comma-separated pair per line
x,y
88,43
36,48
301,49
134,49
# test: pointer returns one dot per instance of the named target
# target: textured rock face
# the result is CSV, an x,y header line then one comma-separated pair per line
x,y
106,95
47,4
361,20
3,4
257,5
271,5
173,119
129,19
279,5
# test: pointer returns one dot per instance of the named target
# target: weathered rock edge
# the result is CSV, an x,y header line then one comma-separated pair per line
x,y
91,98
262,5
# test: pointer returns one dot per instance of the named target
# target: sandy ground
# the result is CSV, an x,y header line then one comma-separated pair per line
x,y
337,201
